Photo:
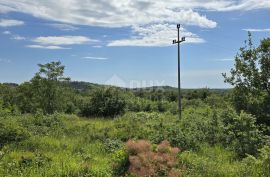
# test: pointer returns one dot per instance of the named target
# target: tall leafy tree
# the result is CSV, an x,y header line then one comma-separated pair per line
x,y
44,92
251,78
48,79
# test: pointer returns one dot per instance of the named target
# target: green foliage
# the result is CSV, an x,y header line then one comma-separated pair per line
x,y
214,137
112,145
212,162
66,145
136,104
107,102
251,80
11,131
120,162
43,92
197,94
36,159
7,98
51,124
259,166
202,125
242,134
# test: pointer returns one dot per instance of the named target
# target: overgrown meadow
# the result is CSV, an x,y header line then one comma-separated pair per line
x,y
50,126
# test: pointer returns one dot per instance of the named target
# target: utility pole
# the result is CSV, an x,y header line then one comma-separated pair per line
x,y
178,41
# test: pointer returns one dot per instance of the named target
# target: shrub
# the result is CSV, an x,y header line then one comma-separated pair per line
x,y
212,161
241,133
10,131
148,160
43,124
259,166
120,162
38,159
112,145
107,102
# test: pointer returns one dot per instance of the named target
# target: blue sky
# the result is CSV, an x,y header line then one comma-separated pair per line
x,y
128,41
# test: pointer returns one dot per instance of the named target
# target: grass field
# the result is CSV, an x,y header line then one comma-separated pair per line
x,y
66,145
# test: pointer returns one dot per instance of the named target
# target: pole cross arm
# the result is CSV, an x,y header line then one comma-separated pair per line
x,y
182,40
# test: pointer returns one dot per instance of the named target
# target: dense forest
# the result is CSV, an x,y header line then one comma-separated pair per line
x,y
52,126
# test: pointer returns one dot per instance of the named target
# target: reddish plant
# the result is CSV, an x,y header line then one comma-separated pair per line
x,y
139,146
152,160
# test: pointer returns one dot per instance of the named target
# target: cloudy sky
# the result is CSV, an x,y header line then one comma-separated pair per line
x,y
128,41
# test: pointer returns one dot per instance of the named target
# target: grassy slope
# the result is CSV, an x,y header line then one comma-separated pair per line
x,y
65,145
68,151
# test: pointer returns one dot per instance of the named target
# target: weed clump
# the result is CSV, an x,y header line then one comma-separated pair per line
x,y
152,160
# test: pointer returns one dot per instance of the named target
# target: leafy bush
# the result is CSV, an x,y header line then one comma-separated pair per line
x,y
259,166
211,162
37,159
10,131
120,162
43,124
112,145
148,160
139,125
241,132
107,102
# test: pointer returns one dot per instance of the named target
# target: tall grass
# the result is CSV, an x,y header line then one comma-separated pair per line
x,y
66,145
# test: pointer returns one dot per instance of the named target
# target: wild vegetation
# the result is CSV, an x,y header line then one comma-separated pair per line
x,y
51,126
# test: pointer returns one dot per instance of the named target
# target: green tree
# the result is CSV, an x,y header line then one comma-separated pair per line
x,y
7,97
45,91
49,75
251,78
107,102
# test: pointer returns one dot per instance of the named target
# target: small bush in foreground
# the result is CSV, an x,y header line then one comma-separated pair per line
x,y
152,160
212,161
259,166
11,132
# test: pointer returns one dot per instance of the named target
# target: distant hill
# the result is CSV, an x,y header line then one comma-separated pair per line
x,y
11,84
83,86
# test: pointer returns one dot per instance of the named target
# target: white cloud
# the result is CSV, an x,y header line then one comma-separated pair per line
x,y
3,60
97,46
6,32
5,8
155,35
114,13
64,27
225,59
10,23
18,38
14,37
119,13
63,40
257,30
139,15
96,58
245,5
46,47
57,42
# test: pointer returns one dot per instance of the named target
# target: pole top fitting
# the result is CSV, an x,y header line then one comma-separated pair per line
x,y
178,25
183,39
